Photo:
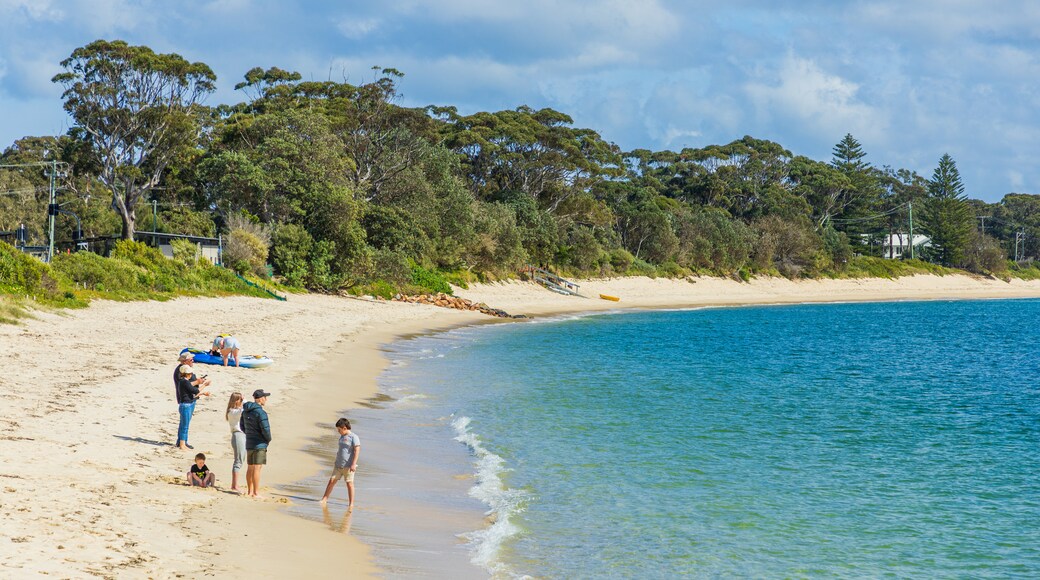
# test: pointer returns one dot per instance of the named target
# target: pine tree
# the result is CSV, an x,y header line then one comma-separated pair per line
x,y
864,194
947,218
848,156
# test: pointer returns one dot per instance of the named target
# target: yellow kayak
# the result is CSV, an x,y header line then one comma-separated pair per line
x,y
611,298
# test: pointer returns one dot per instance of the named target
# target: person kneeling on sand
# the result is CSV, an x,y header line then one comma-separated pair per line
x,y
346,462
258,436
200,475
227,346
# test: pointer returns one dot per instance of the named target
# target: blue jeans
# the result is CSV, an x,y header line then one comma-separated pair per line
x,y
186,410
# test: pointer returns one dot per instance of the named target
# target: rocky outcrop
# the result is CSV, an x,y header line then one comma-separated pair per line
x,y
448,301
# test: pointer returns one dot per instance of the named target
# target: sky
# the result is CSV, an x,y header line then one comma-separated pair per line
x,y
910,80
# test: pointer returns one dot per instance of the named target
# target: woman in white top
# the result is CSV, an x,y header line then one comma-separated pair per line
x,y
238,437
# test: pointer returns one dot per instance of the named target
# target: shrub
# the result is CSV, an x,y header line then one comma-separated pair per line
x,y
985,255
390,266
621,260
584,250
185,251
321,275
23,274
789,246
246,252
672,270
429,280
291,247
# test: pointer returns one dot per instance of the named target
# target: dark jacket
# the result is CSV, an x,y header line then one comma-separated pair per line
x,y
186,392
255,425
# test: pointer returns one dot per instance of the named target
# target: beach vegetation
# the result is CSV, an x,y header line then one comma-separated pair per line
x,y
246,246
428,281
333,186
134,271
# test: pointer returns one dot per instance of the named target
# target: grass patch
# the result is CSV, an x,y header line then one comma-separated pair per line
x,y
871,267
1027,272
13,310
133,272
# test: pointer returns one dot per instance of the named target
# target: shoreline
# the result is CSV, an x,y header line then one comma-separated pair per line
x,y
92,387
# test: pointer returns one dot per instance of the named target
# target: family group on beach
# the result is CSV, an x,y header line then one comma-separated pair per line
x,y
250,430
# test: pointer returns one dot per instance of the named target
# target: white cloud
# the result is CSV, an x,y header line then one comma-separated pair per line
x,y
826,104
1016,179
33,9
356,29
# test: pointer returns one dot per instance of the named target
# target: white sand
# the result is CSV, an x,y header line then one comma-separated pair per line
x,y
93,486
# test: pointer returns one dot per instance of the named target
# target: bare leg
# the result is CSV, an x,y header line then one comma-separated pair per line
x,y
191,481
234,355
210,480
350,495
256,483
328,491
224,352
250,487
234,481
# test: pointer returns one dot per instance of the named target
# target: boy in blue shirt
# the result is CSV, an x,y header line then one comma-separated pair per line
x,y
346,462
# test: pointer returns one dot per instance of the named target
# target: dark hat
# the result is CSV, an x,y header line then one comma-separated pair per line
x,y
260,393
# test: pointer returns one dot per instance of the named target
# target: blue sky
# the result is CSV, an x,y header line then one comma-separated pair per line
x,y
911,80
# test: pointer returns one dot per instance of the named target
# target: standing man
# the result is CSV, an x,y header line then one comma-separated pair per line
x,y
187,358
258,435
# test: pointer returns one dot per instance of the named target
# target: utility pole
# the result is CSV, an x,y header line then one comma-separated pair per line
x,y
52,210
910,207
155,222
1019,236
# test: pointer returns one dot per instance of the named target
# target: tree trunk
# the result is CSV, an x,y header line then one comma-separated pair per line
x,y
129,218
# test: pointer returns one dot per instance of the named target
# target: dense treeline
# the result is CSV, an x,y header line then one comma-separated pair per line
x,y
334,185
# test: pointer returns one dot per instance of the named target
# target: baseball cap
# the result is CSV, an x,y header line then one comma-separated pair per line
x,y
186,356
186,370
260,393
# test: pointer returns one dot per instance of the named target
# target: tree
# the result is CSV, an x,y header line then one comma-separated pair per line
x,y
135,111
864,192
947,218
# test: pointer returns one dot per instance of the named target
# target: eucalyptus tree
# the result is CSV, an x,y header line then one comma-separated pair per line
x,y
536,152
947,218
136,113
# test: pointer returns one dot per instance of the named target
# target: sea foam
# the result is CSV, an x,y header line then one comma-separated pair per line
x,y
503,503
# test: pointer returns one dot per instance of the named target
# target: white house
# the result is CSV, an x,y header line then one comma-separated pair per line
x,y
893,246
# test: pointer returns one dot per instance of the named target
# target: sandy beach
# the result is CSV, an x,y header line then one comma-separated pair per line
x,y
93,485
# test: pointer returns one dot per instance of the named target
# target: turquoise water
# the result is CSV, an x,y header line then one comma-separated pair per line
x,y
843,440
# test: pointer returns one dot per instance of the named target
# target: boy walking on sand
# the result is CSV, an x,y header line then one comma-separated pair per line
x,y
258,436
346,462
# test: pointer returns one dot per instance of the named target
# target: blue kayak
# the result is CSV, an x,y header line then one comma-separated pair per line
x,y
248,361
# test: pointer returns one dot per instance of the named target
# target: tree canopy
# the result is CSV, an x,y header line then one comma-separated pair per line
x,y
351,189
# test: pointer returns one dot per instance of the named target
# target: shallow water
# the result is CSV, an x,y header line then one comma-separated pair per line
x,y
840,440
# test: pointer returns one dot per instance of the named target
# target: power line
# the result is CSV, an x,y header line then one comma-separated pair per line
x,y
870,217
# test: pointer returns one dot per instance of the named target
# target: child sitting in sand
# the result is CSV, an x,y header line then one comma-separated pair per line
x,y
346,462
200,475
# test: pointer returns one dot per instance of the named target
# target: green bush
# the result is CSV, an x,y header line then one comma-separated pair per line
x,y
429,280
22,274
672,270
291,247
621,260
185,251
